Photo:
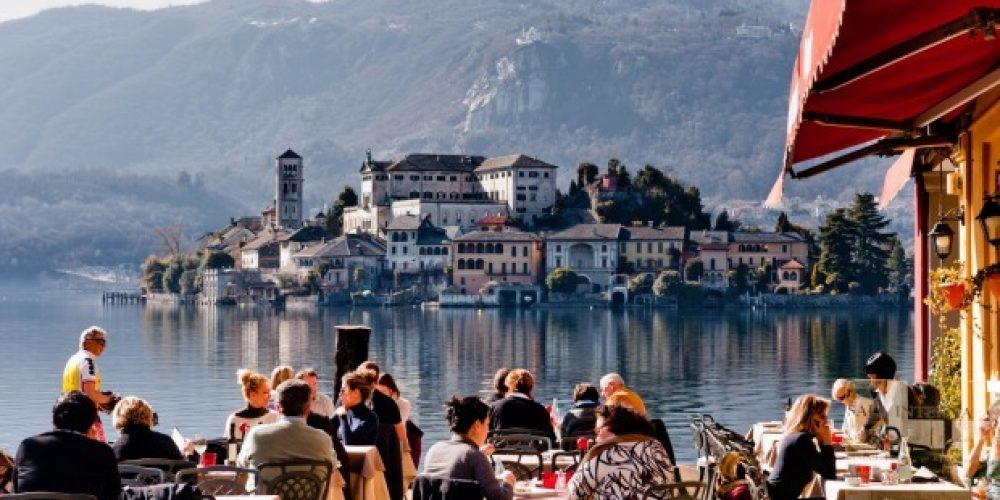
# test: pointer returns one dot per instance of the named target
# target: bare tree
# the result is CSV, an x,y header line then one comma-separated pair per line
x,y
170,239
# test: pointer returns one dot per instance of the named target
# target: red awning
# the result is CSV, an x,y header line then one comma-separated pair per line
x,y
869,70
895,177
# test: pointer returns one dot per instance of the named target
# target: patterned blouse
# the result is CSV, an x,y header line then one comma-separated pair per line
x,y
621,468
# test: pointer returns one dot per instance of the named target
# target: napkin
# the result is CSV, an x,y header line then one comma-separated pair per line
x,y
924,475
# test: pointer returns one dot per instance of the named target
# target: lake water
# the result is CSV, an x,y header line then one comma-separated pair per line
x,y
739,366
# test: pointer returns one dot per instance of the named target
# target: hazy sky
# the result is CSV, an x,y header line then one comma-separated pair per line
x,y
12,9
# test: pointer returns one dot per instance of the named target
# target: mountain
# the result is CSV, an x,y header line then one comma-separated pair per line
x,y
216,90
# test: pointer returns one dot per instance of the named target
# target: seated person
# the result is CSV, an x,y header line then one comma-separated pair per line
x,y
279,374
975,468
857,409
257,395
518,410
616,393
625,460
805,449
581,418
133,419
460,457
289,439
357,425
322,404
68,459
892,396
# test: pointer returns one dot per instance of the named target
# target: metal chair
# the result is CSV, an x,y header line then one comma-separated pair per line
x,y
683,490
298,480
434,488
219,479
165,464
521,443
48,495
135,475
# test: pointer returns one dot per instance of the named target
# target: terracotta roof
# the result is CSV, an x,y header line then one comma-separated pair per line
x,y
438,163
589,232
792,264
289,155
651,233
516,161
510,235
494,219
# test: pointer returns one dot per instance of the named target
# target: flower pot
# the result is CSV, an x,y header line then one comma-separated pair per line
x,y
993,285
954,294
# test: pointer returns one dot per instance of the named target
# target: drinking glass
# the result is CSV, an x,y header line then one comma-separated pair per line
x,y
200,444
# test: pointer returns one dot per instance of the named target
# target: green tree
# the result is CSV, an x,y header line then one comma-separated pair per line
x,y
586,173
898,266
188,282
642,283
335,215
762,278
694,270
152,274
870,244
171,281
217,260
724,223
837,241
562,280
739,278
668,283
360,274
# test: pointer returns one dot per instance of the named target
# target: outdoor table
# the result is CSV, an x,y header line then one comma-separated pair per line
x,y
766,438
367,473
839,490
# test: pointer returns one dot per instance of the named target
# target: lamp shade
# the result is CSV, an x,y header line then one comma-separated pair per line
x,y
989,219
942,236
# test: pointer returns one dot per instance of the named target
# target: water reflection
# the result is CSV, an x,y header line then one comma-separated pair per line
x,y
740,366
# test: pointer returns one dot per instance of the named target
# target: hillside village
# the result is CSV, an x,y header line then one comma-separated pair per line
x,y
470,230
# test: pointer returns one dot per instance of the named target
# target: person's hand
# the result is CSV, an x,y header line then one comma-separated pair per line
x,y
986,426
508,477
488,449
824,434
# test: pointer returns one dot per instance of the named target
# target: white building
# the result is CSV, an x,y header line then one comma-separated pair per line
x,y
415,245
448,186
591,250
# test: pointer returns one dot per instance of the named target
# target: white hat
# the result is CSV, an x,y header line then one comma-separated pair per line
x,y
91,332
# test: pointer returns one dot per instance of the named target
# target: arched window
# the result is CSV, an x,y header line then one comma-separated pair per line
x,y
423,251
402,237
437,250
784,275
461,264
489,248
479,247
498,248
461,248
793,276
444,251
480,264
395,237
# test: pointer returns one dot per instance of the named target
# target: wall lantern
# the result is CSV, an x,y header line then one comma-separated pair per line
x,y
942,237
989,218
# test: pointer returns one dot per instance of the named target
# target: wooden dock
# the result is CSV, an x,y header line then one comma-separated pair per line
x,y
122,297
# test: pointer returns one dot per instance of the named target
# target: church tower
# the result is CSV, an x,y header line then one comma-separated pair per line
x,y
288,190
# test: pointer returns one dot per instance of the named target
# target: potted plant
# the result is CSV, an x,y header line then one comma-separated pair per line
x,y
951,290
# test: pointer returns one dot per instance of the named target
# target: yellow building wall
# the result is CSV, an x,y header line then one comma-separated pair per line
x,y
979,153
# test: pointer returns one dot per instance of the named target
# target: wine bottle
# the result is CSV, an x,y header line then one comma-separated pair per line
x,y
232,445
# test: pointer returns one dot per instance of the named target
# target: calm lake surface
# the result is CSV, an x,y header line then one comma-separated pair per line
x,y
739,366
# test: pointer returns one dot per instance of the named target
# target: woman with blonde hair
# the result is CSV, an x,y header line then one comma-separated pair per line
x,y
279,374
134,420
805,449
257,395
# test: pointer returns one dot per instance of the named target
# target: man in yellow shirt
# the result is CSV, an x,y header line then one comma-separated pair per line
x,y
615,393
81,374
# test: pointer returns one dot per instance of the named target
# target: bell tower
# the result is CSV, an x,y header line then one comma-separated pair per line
x,y
288,190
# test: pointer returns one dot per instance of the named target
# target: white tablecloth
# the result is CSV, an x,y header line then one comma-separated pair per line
x,y
839,490
367,473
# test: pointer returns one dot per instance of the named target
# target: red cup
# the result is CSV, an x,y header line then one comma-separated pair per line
x,y
208,459
582,444
548,479
893,465
864,473
838,439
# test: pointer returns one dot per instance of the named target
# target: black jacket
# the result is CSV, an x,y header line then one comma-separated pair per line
x,y
580,420
523,413
139,441
67,462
